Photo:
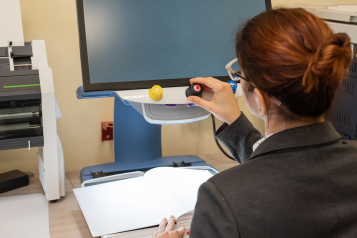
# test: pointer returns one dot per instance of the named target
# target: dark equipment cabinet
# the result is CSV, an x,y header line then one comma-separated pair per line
x,y
343,114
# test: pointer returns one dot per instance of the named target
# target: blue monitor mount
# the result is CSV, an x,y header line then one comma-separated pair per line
x,y
137,143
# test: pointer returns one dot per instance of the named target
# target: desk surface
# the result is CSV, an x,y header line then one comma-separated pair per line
x,y
66,218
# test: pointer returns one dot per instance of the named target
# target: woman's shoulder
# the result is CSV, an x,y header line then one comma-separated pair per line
x,y
234,175
278,170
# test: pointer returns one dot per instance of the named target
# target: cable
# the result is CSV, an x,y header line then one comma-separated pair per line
x,y
219,146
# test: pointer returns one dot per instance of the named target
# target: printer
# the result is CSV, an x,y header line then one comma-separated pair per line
x,y
20,100
28,108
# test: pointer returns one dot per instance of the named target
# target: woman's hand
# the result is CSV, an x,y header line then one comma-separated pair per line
x,y
166,229
224,105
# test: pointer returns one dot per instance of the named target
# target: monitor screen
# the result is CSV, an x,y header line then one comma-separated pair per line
x,y
134,44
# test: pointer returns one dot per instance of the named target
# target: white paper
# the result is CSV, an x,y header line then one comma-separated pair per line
x,y
177,187
24,216
11,23
115,207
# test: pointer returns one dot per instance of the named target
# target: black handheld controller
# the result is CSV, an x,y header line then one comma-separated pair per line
x,y
195,89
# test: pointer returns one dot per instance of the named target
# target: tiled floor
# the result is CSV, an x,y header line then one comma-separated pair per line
x,y
66,218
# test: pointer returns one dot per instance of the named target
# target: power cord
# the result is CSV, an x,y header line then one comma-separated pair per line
x,y
214,135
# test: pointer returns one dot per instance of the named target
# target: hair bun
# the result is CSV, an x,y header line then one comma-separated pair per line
x,y
329,64
301,63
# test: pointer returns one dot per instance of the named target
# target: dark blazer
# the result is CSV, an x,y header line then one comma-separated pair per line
x,y
300,182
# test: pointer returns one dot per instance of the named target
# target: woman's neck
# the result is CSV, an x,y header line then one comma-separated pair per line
x,y
273,126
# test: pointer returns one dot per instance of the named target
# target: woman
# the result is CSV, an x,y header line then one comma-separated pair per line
x,y
300,180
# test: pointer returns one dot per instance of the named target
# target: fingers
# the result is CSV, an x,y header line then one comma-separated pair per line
x,y
210,82
208,89
176,233
166,229
171,225
162,227
181,231
200,102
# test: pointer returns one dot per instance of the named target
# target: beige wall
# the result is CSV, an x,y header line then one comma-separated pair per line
x,y
79,128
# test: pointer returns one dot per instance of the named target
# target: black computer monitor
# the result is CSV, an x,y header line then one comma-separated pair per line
x,y
135,44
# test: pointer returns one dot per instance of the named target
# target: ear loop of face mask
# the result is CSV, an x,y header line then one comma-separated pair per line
x,y
277,102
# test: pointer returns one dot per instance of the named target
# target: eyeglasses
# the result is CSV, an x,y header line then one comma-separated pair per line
x,y
236,75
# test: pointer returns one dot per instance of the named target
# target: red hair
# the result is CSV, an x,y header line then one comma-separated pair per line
x,y
294,56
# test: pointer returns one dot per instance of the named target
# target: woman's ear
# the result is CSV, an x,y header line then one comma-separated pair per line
x,y
261,102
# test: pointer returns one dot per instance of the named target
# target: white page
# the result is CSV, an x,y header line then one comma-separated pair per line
x,y
24,216
120,206
177,187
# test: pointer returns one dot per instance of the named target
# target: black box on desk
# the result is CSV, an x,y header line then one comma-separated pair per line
x,y
12,180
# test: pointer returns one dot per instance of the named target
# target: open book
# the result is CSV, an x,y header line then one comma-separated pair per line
x,y
141,201
182,221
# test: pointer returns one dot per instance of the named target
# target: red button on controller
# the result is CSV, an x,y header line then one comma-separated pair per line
x,y
195,89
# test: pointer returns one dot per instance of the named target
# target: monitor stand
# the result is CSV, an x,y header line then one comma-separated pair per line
x,y
137,143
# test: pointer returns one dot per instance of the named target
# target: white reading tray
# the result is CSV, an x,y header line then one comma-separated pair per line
x,y
127,202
